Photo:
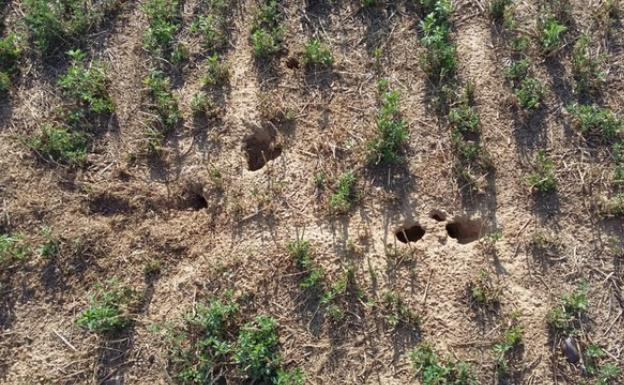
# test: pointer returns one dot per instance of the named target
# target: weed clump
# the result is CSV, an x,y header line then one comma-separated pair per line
x,y
313,274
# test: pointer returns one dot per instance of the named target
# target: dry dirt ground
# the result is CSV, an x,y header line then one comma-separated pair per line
x,y
121,213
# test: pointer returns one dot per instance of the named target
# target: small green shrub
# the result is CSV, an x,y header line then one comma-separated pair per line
x,y
51,246
160,35
433,371
5,82
317,54
483,292
108,309
257,349
13,249
551,32
438,61
344,196
543,177
60,145
595,120
86,87
604,374
392,132
530,93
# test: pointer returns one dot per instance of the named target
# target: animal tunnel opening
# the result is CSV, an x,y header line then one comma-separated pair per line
x,y
410,234
465,230
260,148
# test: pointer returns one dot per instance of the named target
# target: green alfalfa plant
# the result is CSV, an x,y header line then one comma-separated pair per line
x,y
551,32
85,87
109,308
543,178
317,54
60,145
266,33
392,132
593,120
529,93
312,273
13,249
432,370
504,349
564,316
345,195
587,68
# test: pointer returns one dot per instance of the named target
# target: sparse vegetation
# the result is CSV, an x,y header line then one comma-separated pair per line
x,y
504,350
483,291
165,105
160,35
530,93
595,120
587,68
313,274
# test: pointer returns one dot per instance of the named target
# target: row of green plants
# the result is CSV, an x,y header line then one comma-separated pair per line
x,y
439,62
163,25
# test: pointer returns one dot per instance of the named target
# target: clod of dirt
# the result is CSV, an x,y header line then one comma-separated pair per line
x,y
465,230
260,147
569,350
410,234
107,204
437,215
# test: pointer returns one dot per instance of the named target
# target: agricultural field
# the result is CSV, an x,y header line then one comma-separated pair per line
x,y
261,192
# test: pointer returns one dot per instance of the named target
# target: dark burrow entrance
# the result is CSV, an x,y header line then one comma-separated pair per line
x,y
437,215
465,230
410,234
260,147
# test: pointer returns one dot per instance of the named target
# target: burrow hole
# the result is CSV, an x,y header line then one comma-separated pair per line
x,y
410,234
437,215
260,147
192,198
465,230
